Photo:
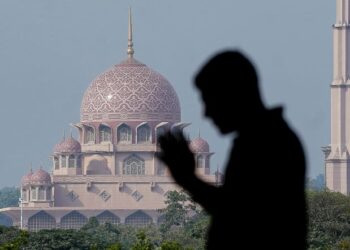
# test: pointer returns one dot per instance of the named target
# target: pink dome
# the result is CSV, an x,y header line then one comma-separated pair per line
x,y
130,91
41,177
199,145
27,178
68,145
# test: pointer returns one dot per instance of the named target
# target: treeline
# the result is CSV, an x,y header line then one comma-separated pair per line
x,y
92,236
184,227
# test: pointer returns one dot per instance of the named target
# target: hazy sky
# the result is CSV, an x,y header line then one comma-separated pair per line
x,y
50,51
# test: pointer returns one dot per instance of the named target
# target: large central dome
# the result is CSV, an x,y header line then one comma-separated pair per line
x,y
130,91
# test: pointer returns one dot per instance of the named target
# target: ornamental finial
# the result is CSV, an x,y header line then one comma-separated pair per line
x,y
130,43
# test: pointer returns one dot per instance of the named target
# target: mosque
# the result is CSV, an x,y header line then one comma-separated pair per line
x,y
111,171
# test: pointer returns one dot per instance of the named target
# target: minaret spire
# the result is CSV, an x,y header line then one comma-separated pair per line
x,y
337,154
130,43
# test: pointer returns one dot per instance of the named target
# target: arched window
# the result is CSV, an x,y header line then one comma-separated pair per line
x,y
139,219
108,217
33,194
89,135
41,220
134,166
73,220
200,161
63,161
41,193
105,133
24,194
143,134
71,161
124,134
56,162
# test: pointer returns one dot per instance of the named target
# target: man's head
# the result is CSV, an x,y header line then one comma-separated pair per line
x,y
228,84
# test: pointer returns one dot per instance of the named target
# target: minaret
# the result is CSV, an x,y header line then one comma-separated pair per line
x,y
337,159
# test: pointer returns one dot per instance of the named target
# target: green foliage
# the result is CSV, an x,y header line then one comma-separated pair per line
x,y
142,242
329,219
185,229
170,245
115,246
184,221
12,238
178,211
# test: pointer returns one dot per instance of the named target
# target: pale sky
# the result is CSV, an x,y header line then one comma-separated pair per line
x,y
50,51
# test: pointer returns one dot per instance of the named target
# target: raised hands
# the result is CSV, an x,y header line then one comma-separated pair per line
x,y
176,154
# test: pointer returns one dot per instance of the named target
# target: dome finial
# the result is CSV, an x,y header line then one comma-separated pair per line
x,y
130,43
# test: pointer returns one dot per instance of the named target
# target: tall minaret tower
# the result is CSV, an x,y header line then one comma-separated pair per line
x,y
337,159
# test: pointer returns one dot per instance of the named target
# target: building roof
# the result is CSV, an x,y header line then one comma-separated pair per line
x,y
199,145
40,177
130,91
68,145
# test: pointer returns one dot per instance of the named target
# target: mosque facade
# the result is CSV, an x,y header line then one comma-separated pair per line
x,y
111,171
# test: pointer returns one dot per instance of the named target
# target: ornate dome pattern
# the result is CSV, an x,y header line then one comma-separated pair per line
x,y
41,177
68,145
199,145
27,179
130,91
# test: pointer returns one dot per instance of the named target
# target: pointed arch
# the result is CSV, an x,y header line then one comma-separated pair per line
x,y
124,134
134,165
105,133
201,161
108,217
41,220
89,133
138,219
97,165
143,134
73,220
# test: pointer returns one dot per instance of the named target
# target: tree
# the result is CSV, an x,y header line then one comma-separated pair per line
x,y
170,245
142,242
184,221
178,210
329,219
13,238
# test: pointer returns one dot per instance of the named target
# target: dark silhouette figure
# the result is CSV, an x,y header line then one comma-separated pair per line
x,y
261,203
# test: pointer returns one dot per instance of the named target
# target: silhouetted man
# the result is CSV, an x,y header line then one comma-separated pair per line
x,y
261,204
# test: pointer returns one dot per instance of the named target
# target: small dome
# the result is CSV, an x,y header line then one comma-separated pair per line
x,y
68,145
40,177
130,91
199,145
27,178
